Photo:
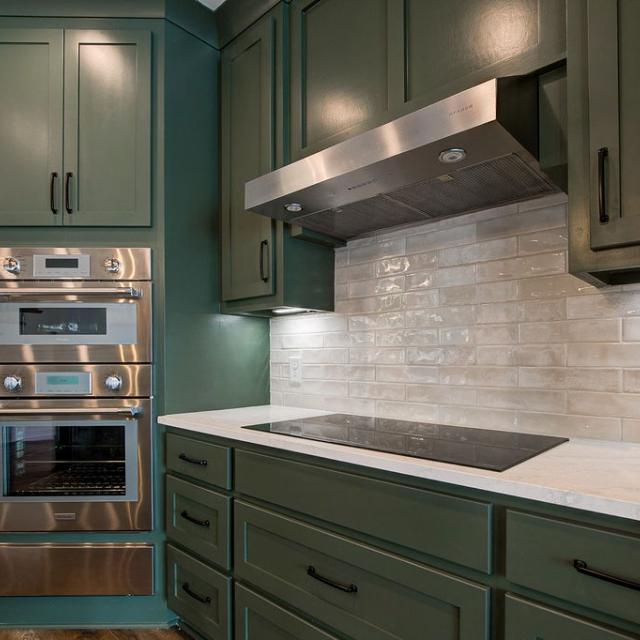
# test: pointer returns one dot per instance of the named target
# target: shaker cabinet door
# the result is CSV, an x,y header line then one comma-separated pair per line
x,y
342,80
30,126
107,128
613,59
248,151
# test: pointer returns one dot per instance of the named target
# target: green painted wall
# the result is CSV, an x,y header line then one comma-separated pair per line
x,y
203,360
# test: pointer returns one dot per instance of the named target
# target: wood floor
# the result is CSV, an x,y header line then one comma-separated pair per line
x,y
100,634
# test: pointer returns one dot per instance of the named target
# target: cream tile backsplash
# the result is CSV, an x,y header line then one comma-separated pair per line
x,y
470,321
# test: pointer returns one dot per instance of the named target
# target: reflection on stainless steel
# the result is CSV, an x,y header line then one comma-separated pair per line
x,y
96,569
393,174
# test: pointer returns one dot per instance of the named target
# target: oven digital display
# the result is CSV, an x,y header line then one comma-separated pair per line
x,y
61,263
63,383
74,320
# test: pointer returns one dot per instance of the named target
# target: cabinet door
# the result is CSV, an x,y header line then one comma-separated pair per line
x,y
249,129
107,128
342,82
613,53
450,46
31,126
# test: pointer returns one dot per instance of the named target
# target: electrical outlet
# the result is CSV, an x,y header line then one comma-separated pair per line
x,y
295,371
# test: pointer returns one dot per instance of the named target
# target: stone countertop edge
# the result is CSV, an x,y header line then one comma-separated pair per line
x,y
590,475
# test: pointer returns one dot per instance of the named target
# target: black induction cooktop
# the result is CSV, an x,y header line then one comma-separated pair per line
x,y
479,448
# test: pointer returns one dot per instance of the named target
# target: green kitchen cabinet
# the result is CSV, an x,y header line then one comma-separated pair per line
x,y
103,78
265,264
31,136
107,128
604,98
354,68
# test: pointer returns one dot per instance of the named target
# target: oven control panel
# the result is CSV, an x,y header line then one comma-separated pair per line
x,y
93,381
95,263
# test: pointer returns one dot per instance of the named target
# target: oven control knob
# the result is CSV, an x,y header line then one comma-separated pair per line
x,y
112,265
11,265
113,382
13,383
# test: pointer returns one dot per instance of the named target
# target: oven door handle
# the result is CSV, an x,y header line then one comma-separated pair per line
x,y
132,411
115,292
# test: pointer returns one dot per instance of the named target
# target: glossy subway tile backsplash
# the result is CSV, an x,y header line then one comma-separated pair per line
x,y
471,321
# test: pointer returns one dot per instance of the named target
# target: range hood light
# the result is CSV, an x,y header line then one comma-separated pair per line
x,y
455,154
282,311
293,207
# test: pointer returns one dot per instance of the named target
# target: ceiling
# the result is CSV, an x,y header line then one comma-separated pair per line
x,y
212,4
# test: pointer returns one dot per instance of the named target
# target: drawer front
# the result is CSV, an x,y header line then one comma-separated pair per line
x,y
259,619
199,595
200,520
363,593
199,460
528,621
541,553
454,529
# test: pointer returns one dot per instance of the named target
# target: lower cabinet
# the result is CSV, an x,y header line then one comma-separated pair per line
x,y
362,592
528,621
200,595
259,619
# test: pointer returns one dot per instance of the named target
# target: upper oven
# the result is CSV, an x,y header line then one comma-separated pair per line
x,y
75,305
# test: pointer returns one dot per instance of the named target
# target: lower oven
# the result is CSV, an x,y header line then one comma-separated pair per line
x,y
71,463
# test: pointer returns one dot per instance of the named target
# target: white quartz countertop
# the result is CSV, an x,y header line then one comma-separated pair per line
x,y
592,475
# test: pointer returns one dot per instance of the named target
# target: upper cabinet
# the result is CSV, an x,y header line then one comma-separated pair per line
x,y
103,79
604,129
355,67
31,133
266,265
107,127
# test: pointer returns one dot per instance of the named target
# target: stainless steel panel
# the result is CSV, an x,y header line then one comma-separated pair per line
x,y
135,263
76,569
135,378
73,292
104,515
496,119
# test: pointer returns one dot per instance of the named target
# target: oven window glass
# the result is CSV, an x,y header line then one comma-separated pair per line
x,y
72,320
65,460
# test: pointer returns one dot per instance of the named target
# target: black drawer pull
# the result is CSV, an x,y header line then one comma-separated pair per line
x,y
67,192
603,153
347,588
582,567
200,523
194,595
52,193
185,458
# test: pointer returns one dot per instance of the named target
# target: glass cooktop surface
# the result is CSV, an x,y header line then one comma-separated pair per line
x,y
470,447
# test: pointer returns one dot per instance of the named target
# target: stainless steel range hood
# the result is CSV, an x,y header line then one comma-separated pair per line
x,y
474,150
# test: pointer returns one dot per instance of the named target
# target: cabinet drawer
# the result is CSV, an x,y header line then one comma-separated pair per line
x,y
455,529
541,554
199,595
199,519
362,592
259,619
199,460
528,621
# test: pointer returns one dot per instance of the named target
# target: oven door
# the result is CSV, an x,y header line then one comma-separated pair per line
x,y
76,323
74,465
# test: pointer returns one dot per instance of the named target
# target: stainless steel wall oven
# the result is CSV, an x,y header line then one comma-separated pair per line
x,y
75,389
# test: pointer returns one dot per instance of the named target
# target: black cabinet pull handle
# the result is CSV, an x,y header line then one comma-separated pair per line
x,y
264,273
347,588
582,567
603,154
52,192
67,190
200,523
196,596
185,458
